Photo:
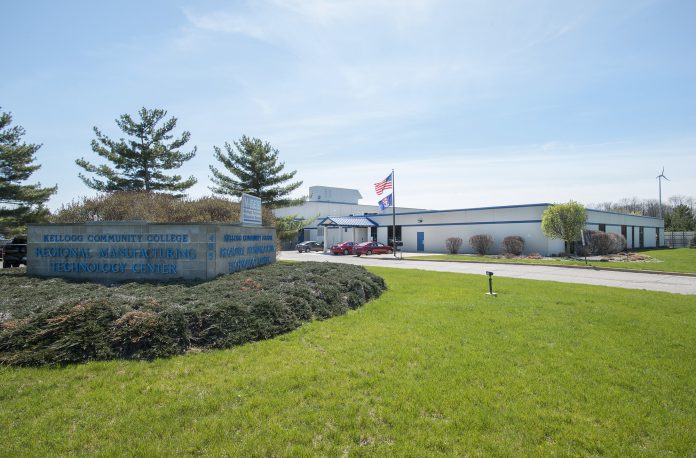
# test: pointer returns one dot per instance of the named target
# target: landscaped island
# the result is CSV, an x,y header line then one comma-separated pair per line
x,y
53,321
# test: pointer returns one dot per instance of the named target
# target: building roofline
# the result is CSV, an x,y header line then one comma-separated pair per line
x,y
466,209
336,202
623,214
321,223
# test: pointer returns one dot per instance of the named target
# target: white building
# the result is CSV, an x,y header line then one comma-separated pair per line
x,y
427,230
326,201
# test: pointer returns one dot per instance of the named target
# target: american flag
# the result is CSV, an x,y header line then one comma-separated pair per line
x,y
384,184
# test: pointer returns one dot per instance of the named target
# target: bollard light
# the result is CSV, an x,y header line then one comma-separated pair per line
x,y
490,284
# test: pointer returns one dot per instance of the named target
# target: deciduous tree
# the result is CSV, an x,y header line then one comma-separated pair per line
x,y
140,163
19,203
565,222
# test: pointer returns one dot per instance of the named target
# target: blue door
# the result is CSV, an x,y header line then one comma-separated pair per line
x,y
420,241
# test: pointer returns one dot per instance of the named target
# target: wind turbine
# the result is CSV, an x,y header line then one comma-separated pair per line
x,y
659,180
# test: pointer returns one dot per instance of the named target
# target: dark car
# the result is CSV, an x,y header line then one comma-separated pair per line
x,y
310,245
368,248
343,248
15,252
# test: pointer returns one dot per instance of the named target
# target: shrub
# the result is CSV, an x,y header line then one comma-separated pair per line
x,y
453,245
617,243
582,250
481,243
513,244
70,332
152,207
599,242
146,321
602,243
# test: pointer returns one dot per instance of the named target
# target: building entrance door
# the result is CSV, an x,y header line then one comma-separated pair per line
x,y
420,241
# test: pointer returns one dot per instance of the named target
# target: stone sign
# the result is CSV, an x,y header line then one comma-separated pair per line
x,y
114,251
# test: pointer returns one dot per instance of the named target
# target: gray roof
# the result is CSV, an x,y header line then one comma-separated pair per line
x,y
350,221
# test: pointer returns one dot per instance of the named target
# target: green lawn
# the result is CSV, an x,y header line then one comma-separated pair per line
x,y
431,367
668,260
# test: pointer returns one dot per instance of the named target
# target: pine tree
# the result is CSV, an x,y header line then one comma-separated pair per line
x,y
679,218
140,162
254,169
19,203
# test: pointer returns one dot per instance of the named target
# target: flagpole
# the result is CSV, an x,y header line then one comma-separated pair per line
x,y
394,212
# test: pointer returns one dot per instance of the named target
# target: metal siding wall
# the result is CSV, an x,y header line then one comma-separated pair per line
x,y
332,236
312,234
636,237
435,237
555,246
649,237
615,219
382,233
440,225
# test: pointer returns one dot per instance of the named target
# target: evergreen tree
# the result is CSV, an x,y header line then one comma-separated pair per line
x,y
19,203
254,169
140,162
679,218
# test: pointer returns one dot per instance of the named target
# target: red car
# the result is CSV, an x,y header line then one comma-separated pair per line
x,y
368,248
343,248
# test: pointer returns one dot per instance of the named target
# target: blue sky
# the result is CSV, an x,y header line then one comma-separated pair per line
x,y
474,103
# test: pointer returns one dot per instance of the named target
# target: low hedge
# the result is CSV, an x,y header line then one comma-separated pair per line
x,y
54,321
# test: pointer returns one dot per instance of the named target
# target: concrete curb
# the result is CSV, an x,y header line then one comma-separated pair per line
x,y
592,267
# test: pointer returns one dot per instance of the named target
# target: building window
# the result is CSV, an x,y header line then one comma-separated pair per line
x,y
373,233
602,227
624,231
657,237
640,237
390,231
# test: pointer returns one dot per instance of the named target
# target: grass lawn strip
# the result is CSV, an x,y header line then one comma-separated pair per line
x,y
678,260
431,367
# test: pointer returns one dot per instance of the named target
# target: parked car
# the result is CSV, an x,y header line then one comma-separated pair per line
x,y
309,245
343,248
368,248
15,252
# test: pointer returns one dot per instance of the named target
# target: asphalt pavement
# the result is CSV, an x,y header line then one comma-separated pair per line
x,y
588,276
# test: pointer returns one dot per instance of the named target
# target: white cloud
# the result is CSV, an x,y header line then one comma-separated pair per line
x,y
226,22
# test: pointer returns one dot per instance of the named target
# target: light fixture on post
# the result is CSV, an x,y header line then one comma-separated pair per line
x,y
490,284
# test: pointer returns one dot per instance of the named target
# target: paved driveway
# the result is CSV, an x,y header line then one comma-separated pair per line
x,y
631,280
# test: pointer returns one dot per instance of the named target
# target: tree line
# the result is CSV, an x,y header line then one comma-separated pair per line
x,y
145,161
677,211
